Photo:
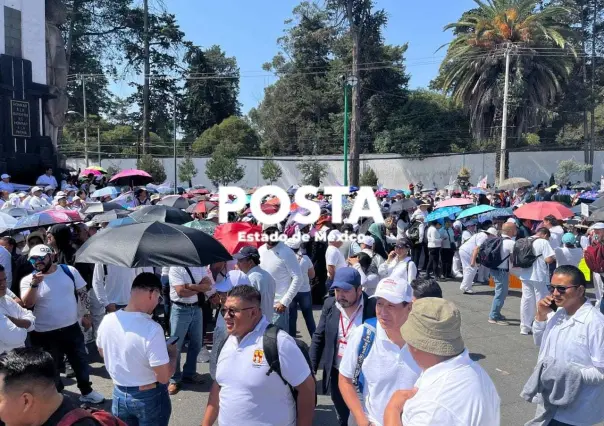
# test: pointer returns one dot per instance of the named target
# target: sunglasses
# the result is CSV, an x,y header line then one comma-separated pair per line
x,y
35,259
230,312
561,289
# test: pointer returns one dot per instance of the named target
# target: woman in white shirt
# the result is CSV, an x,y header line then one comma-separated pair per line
x,y
435,242
362,263
303,298
399,263
568,253
448,248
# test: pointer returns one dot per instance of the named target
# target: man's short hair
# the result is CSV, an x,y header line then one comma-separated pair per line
x,y
577,277
1,268
26,368
146,281
551,219
544,232
423,287
247,293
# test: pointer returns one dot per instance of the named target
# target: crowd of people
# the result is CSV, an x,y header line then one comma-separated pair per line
x,y
388,348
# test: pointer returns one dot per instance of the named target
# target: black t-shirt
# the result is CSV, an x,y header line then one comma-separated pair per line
x,y
66,406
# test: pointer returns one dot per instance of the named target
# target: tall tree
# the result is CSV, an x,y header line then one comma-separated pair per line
x,y
211,90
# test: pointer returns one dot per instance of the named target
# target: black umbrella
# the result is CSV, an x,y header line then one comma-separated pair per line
x,y
584,185
598,203
94,208
110,215
153,244
16,212
174,201
401,205
597,216
161,214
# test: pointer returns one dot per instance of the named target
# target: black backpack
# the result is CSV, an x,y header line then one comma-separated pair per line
x,y
489,254
413,232
523,256
271,354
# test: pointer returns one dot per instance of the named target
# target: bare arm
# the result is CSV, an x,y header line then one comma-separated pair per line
x,y
550,259
349,393
305,402
311,273
213,406
331,271
474,256
185,291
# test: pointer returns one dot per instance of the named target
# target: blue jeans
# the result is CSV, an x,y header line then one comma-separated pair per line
x,y
602,305
281,320
303,299
142,408
502,284
186,320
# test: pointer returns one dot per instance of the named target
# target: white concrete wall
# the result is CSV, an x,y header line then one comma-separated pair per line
x,y
393,171
33,37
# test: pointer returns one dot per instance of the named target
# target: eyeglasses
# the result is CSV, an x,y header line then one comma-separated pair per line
x,y
561,289
35,259
230,312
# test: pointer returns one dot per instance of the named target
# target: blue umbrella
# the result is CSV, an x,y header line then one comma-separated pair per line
x,y
111,191
477,191
566,192
472,211
591,195
116,223
442,213
354,188
492,214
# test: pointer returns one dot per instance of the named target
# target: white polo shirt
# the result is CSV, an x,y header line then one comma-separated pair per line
x,y
577,341
457,392
247,395
386,369
132,345
539,270
179,276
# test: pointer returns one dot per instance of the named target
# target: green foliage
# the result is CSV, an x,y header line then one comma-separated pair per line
x,y
271,171
223,169
153,166
187,170
532,139
566,168
368,178
112,169
313,172
234,133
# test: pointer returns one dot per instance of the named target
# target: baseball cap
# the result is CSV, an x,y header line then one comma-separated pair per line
x,y
36,189
569,238
233,279
49,188
39,251
293,243
493,231
245,252
394,290
597,225
368,240
334,236
60,195
267,226
4,176
346,279
213,214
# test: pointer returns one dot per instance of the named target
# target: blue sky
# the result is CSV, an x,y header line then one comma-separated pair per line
x,y
248,30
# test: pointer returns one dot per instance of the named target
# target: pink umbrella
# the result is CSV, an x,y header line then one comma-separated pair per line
x,y
132,177
93,172
453,202
540,209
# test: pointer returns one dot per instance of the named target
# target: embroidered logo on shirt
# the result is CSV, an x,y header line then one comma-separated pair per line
x,y
258,356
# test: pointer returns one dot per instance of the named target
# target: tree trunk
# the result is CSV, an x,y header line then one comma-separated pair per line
x,y
355,122
593,79
147,71
586,138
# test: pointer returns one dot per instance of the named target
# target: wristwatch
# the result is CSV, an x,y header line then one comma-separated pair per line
x,y
34,285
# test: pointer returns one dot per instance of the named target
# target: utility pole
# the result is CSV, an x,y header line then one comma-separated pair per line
x,y
355,122
175,168
592,137
98,141
345,133
146,71
504,120
85,121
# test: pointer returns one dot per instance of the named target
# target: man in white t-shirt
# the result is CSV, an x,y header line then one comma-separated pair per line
x,y
280,261
186,285
15,321
387,365
468,253
535,279
452,390
36,202
333,258
137,358
243,392
303,298
47,179
53,292
5,184
501,274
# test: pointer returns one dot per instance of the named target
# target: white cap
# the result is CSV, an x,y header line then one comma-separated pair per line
x,y
368,240
597,225
60,194
4,176
212,215
394,290
232,279
49,187
12,195
293,243
511,220
39,250
334,236
493,231
36,189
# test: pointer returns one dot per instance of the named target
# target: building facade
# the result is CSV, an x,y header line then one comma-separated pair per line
x,y
25,148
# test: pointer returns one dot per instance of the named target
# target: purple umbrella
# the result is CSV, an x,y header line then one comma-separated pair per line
x,y
132,177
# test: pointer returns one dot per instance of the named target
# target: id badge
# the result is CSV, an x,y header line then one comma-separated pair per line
x,y
341,349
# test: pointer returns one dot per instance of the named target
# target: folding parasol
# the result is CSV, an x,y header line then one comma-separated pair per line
x,y
514,183
160,214
131,177
540,209
228,235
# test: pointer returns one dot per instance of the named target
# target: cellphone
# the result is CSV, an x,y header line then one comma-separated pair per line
x,y
172,340
553,306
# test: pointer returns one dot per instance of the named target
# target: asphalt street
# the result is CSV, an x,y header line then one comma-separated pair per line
x,y
502,351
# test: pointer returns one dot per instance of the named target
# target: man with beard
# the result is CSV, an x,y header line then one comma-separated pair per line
x,y
53,293
348,309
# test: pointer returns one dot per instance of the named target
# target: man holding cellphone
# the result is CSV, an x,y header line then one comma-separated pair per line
x,y
137,357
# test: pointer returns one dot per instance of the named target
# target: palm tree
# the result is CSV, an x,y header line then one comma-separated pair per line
x,y
542,58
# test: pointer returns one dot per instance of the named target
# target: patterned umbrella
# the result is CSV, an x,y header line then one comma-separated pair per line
x,y
451,202
442,213
206,226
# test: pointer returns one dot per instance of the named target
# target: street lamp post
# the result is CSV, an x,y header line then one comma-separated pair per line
x,y
175,169
348,82
85,122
